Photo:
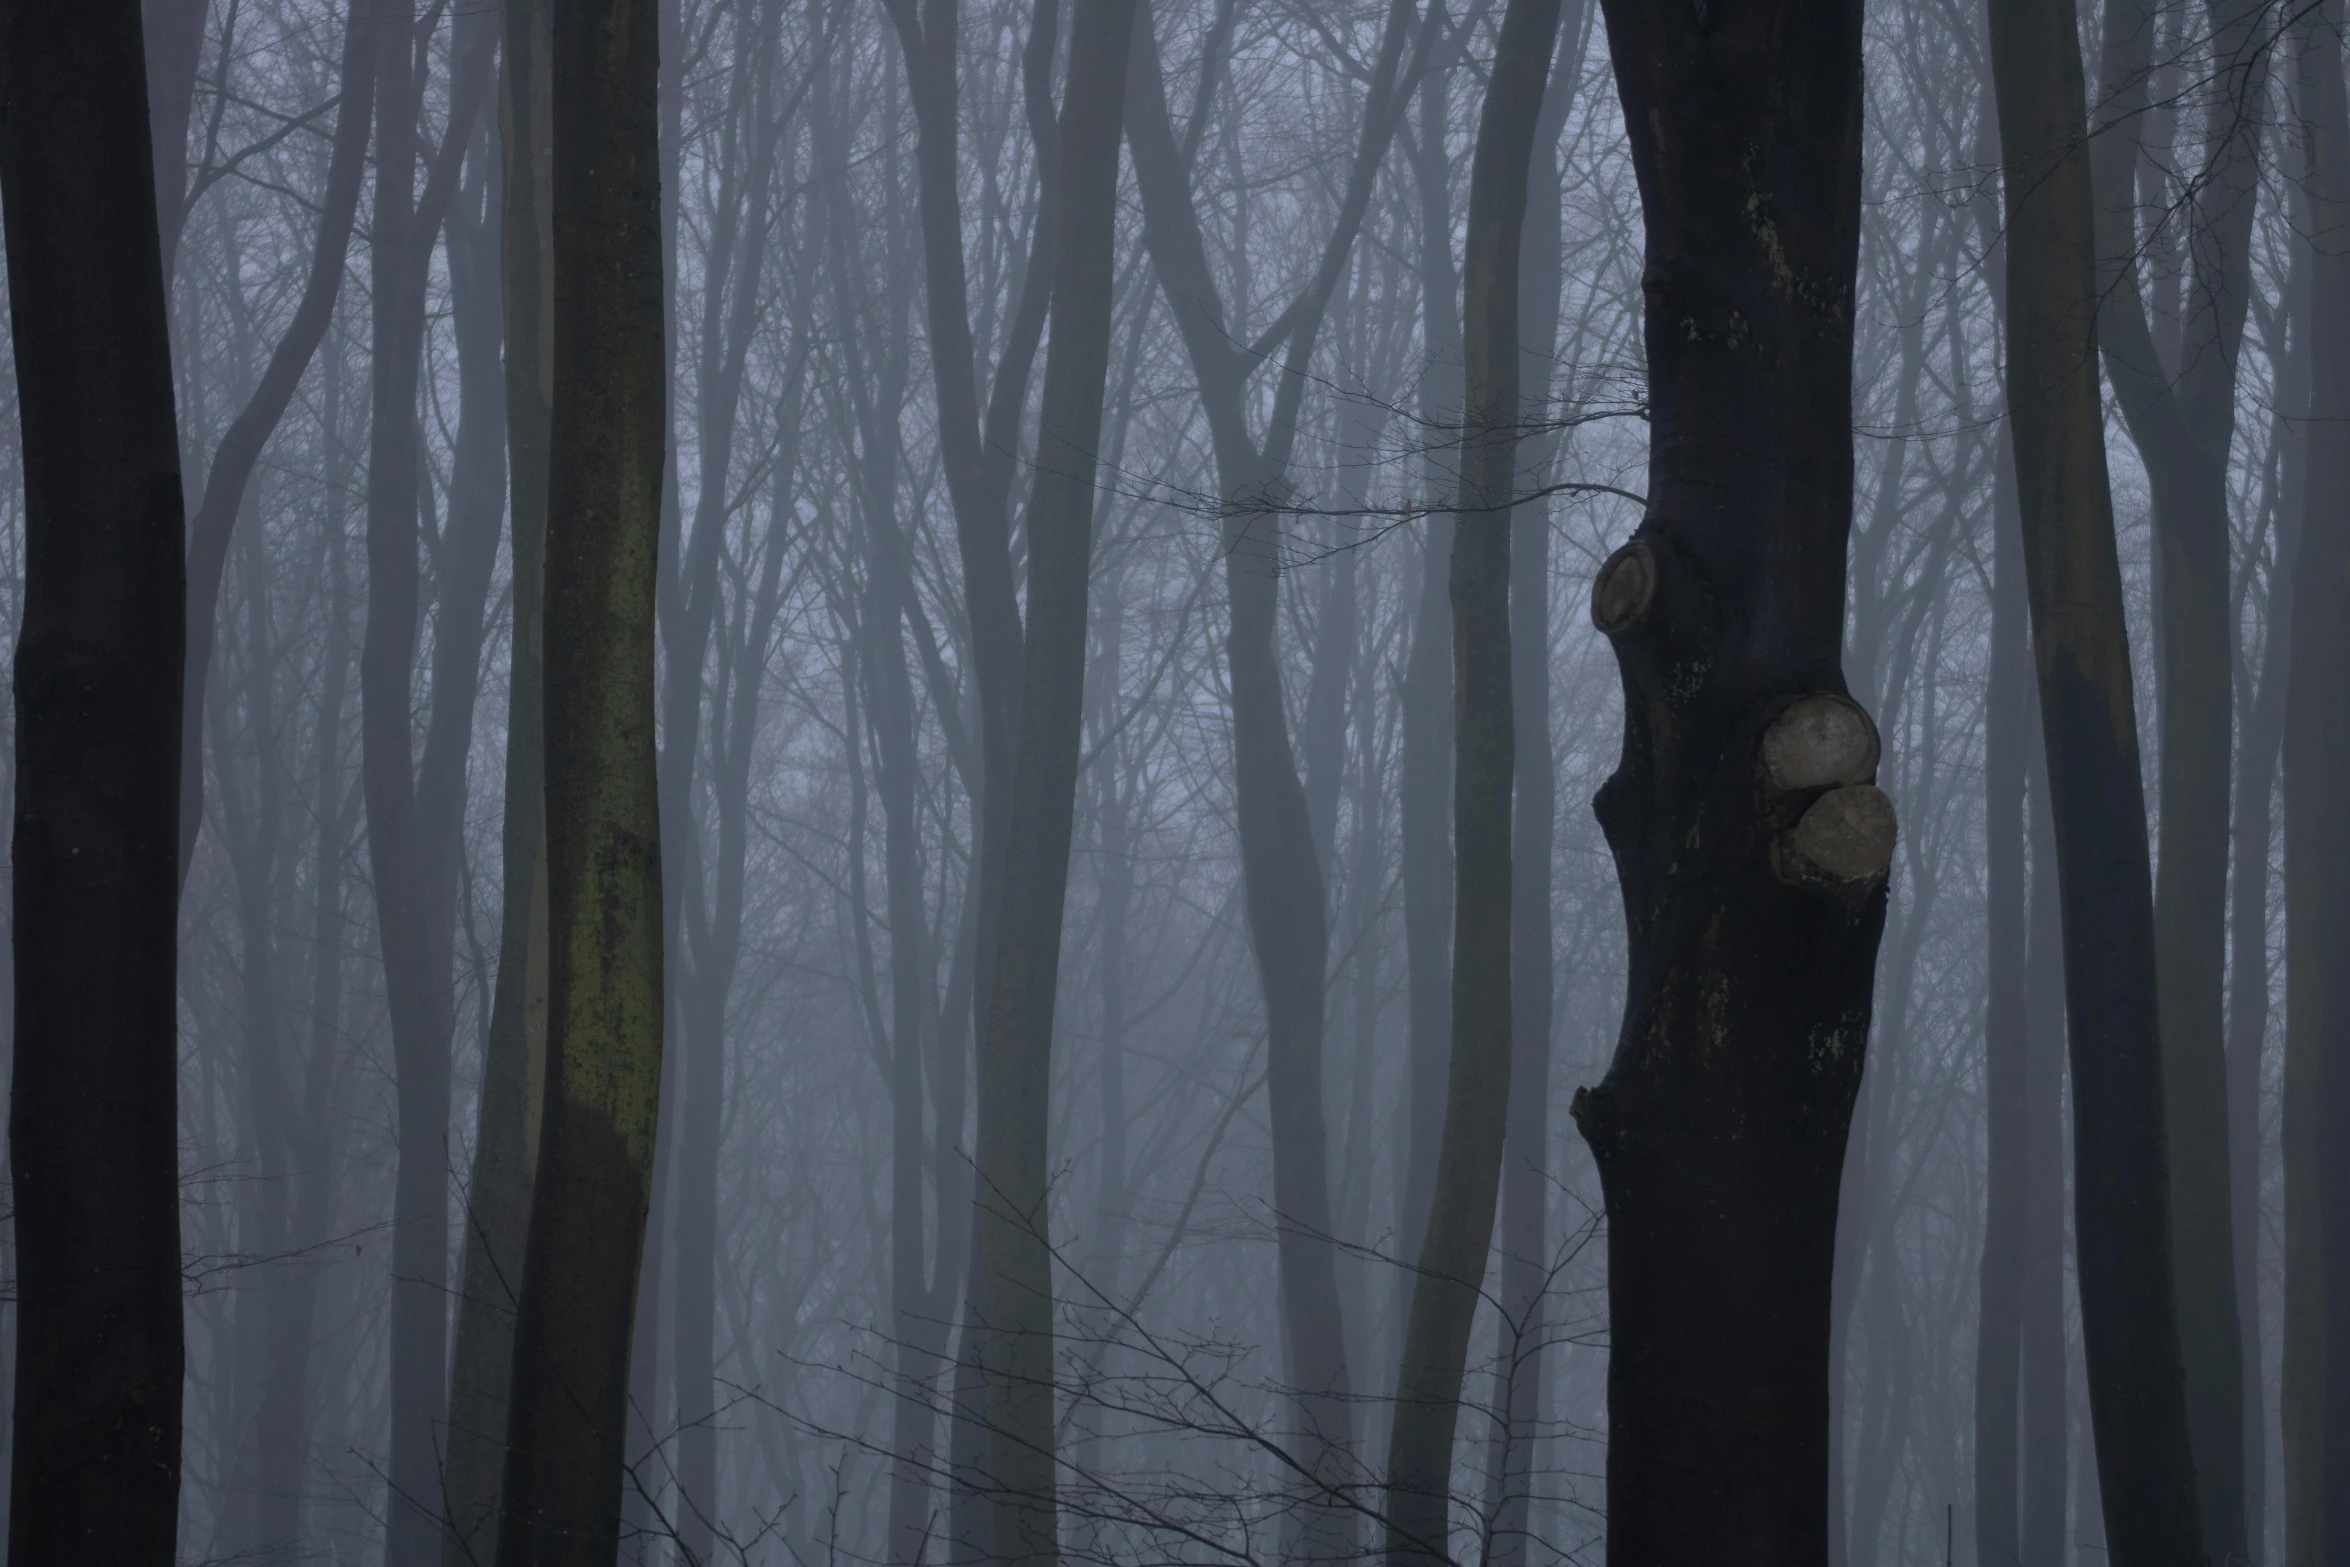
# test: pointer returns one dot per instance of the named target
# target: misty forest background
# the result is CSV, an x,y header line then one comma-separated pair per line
x,y
821,729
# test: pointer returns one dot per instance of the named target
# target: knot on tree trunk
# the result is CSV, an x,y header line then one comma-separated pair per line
x,y
1835,828
1624,588
1842,844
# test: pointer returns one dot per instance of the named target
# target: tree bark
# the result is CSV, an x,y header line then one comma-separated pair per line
x,y
1459,1234
93,1113
1014,1262
569,1406
2317,865
2130,1329
1750,840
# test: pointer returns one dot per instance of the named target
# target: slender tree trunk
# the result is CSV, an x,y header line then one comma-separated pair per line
x,y
1459,1234
564,1467
1014,1262
2007,1161
1525,1190
1720,1128
240,448
411,819
2182,425
93,1112
2046,1425
1424,810
269,1446
2080,643
498,1199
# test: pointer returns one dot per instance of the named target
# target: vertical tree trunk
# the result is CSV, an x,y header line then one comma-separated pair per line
x,y
1424,809
2317,865
1720,1128
2183,425
93,1112
1525,1181
2080,644
498,1199
568,1415
2007,1166
2045,1418
411,820
1454,1250
1014,1263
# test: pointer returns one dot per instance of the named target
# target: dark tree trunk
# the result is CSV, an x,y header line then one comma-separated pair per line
x,y
93,1113
568,1416
2080,643
1720,1128
2317,843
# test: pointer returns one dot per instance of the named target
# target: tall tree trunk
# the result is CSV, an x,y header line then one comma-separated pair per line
x,y
1720,1128
93,1111
411,819
1424,807
498,1199
2317,865
2046,1425
268,1451
1999,1314
568,1415
2080,644
1525,1189
1014,1263
1459,1234
2183,425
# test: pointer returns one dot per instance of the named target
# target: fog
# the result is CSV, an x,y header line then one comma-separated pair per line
x,y
1240,1034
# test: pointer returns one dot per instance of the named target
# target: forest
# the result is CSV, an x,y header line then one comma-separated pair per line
x,y
1476,783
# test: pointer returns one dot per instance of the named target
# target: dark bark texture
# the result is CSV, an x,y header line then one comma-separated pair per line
x,y
564,1466
93,1118
1749,838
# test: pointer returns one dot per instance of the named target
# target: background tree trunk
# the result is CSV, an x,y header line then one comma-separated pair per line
x,y
1459,1233
498,1199
2080,643
1014,1261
